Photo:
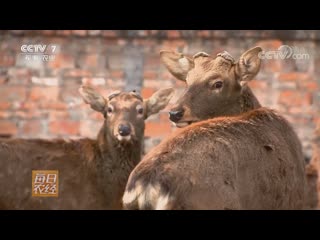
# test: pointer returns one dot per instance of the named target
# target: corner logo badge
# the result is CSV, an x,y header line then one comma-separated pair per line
x,y
45,183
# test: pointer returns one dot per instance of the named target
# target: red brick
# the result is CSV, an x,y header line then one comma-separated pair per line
x,y
20,114
89,128
31,128
146,43
96,116
150,74
4,114
94,81
44,94
152,62
77,73
8,127
258,84
89,61
115,61
298,110
143,33
109,33
18,32
92,46
173,34
64,32
154,32
56,105
310,86
4,79
116,74
12,93
154,129
147,92
6,60
62,60
5,105
28,105
172,44
55,115
122,42
81,33
115,84
47,81
204,33
20,72
268,45
48,32
157,84
64,127
70,95
219,33
94,32
295,98
294,76
316,120
301,120
32,114
271,65
166,75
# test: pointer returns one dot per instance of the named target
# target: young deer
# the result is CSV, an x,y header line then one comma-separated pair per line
x,y
237,156
92,173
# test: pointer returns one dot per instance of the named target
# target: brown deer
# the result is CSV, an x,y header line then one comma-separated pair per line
x,y
234,155
313,172
92,173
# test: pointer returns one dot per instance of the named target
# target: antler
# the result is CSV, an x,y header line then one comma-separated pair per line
x,y
226,56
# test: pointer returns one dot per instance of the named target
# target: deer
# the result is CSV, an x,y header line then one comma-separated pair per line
x,y
313,172
230,153
92,172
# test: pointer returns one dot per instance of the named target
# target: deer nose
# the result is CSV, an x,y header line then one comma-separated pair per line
x,y
124,130
175,116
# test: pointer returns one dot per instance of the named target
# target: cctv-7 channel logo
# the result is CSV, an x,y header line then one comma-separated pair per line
x,y
39,51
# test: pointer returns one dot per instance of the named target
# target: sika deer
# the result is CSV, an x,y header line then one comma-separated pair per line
x,y
92,173
237,156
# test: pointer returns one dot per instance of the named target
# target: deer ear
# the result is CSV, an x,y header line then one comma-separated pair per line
x,y
248,65
158,101
177,64
90,96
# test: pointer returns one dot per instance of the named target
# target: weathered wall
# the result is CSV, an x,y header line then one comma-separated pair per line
x,y
40,99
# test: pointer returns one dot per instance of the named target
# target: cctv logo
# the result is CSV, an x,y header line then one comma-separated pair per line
x,y
38,49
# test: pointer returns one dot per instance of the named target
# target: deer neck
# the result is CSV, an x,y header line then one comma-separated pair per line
x,y
248,100
123,155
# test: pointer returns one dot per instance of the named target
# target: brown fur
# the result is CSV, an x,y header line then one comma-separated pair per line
x,y
232,99
313,172
209,165
92,173
246,157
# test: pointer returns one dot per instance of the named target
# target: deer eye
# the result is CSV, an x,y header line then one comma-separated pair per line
x,y
140,110
217,85
109,110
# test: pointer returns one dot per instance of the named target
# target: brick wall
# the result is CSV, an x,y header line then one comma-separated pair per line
x,y
40,99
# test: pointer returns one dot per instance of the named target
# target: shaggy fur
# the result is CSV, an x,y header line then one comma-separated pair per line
x,y
210,166
92,173
246,157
